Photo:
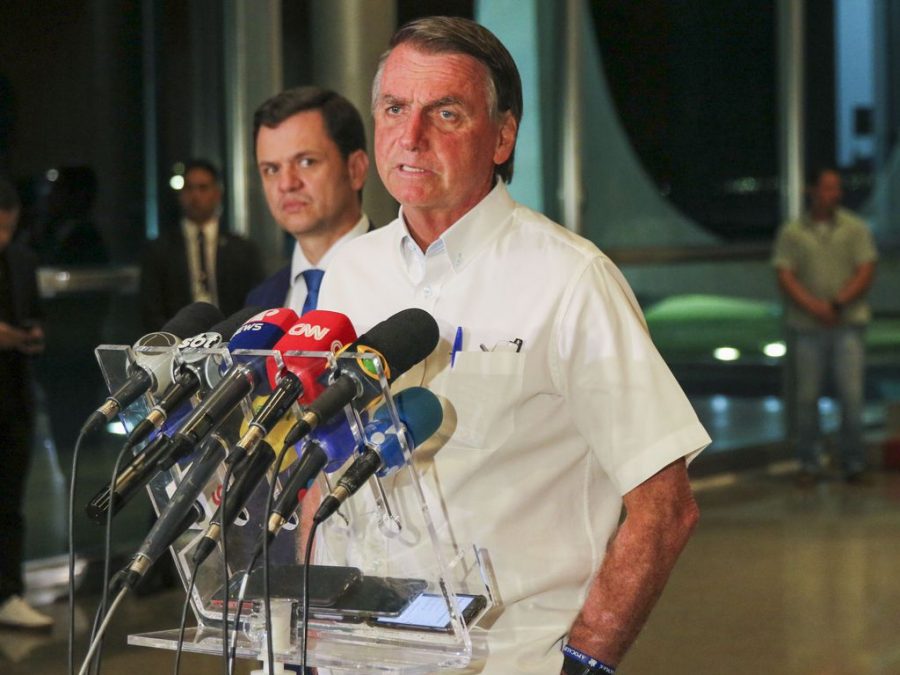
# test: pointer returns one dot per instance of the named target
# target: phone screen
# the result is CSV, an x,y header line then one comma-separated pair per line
x,y
429,612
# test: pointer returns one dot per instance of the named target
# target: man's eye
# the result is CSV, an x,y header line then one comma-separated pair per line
x,y
306,162
393,110
447,115
269,171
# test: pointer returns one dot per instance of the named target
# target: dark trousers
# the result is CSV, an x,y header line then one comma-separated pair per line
x,y
15,454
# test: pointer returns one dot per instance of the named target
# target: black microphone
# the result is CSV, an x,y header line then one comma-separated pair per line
x,y
182,511
190,372
163,451
285,394
400,341
153,371
252,469
327,448
260,333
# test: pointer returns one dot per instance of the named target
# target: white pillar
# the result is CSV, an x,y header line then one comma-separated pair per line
x,y
791,79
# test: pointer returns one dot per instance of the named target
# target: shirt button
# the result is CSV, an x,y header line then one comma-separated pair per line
x,y
427,291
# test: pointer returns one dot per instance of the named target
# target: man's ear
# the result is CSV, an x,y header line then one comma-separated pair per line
x,y
506,139
358,167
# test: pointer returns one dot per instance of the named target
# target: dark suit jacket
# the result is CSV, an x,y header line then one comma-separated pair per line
x,y
26,300
165,280
15,369
272,292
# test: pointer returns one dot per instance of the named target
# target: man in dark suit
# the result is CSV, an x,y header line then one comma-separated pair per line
x,y
311,153
198,259
20,337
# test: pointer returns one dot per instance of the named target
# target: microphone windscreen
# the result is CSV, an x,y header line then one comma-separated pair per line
x,y
228,326
192,319
403,339
419,410
263,330
316,331
421,414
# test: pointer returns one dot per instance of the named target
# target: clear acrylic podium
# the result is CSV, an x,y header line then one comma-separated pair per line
x,y
385,531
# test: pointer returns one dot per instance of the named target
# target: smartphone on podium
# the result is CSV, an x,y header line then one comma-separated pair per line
x,y
428,612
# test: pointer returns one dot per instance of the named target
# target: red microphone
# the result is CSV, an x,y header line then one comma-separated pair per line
x,y
316,331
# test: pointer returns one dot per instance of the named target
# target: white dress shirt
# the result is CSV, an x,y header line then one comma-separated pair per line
x,y
538,446
190,232
299,264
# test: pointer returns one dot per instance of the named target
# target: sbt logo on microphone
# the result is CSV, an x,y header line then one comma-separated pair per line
x,y
309,330
202,341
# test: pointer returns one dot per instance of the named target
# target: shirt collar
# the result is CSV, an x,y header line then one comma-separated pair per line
x,y
299,262
189,228
462,240
809,221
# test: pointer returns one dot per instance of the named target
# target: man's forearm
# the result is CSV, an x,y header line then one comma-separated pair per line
x,y
661,514
821,309
858,285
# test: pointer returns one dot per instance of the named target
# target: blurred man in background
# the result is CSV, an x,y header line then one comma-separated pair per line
x,y
20,337
199,260
825,263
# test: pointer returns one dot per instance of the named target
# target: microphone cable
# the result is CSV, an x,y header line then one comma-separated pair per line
x,y
107,552
179,647
98,638
267,605
71,552
240,603
229,470
305,632
101,610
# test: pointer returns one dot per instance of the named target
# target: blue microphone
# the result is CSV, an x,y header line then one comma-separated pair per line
x,y
421,414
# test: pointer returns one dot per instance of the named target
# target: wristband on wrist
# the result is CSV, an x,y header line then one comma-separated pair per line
x,y
576,662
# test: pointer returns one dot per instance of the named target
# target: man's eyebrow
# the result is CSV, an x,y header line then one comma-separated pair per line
x,y
390,99
297,155
444,101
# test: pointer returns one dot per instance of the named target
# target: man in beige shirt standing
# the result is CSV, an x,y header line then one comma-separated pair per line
x,y
825,263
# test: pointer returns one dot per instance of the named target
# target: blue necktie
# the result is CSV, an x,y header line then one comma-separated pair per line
x,y
313,281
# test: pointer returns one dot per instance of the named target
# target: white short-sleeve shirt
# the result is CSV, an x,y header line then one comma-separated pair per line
x,y
544,441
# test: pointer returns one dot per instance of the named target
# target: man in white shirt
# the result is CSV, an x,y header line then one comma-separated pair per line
x,y
199,260
561,409
311,154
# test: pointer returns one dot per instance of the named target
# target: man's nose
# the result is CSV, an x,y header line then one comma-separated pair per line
x,y
413,136
289,179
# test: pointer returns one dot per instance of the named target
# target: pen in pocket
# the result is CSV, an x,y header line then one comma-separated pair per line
x,y
457,345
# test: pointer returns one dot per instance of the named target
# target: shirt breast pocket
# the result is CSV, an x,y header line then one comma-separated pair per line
x,y
482,390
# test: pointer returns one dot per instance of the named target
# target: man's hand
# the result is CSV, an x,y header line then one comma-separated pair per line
x,y
11,337
661,514
823,311
34,341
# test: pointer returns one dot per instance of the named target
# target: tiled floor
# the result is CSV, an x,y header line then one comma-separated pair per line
x,y
776,580
783,580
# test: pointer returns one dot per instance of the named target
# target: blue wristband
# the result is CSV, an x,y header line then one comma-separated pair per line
x,y
588,661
